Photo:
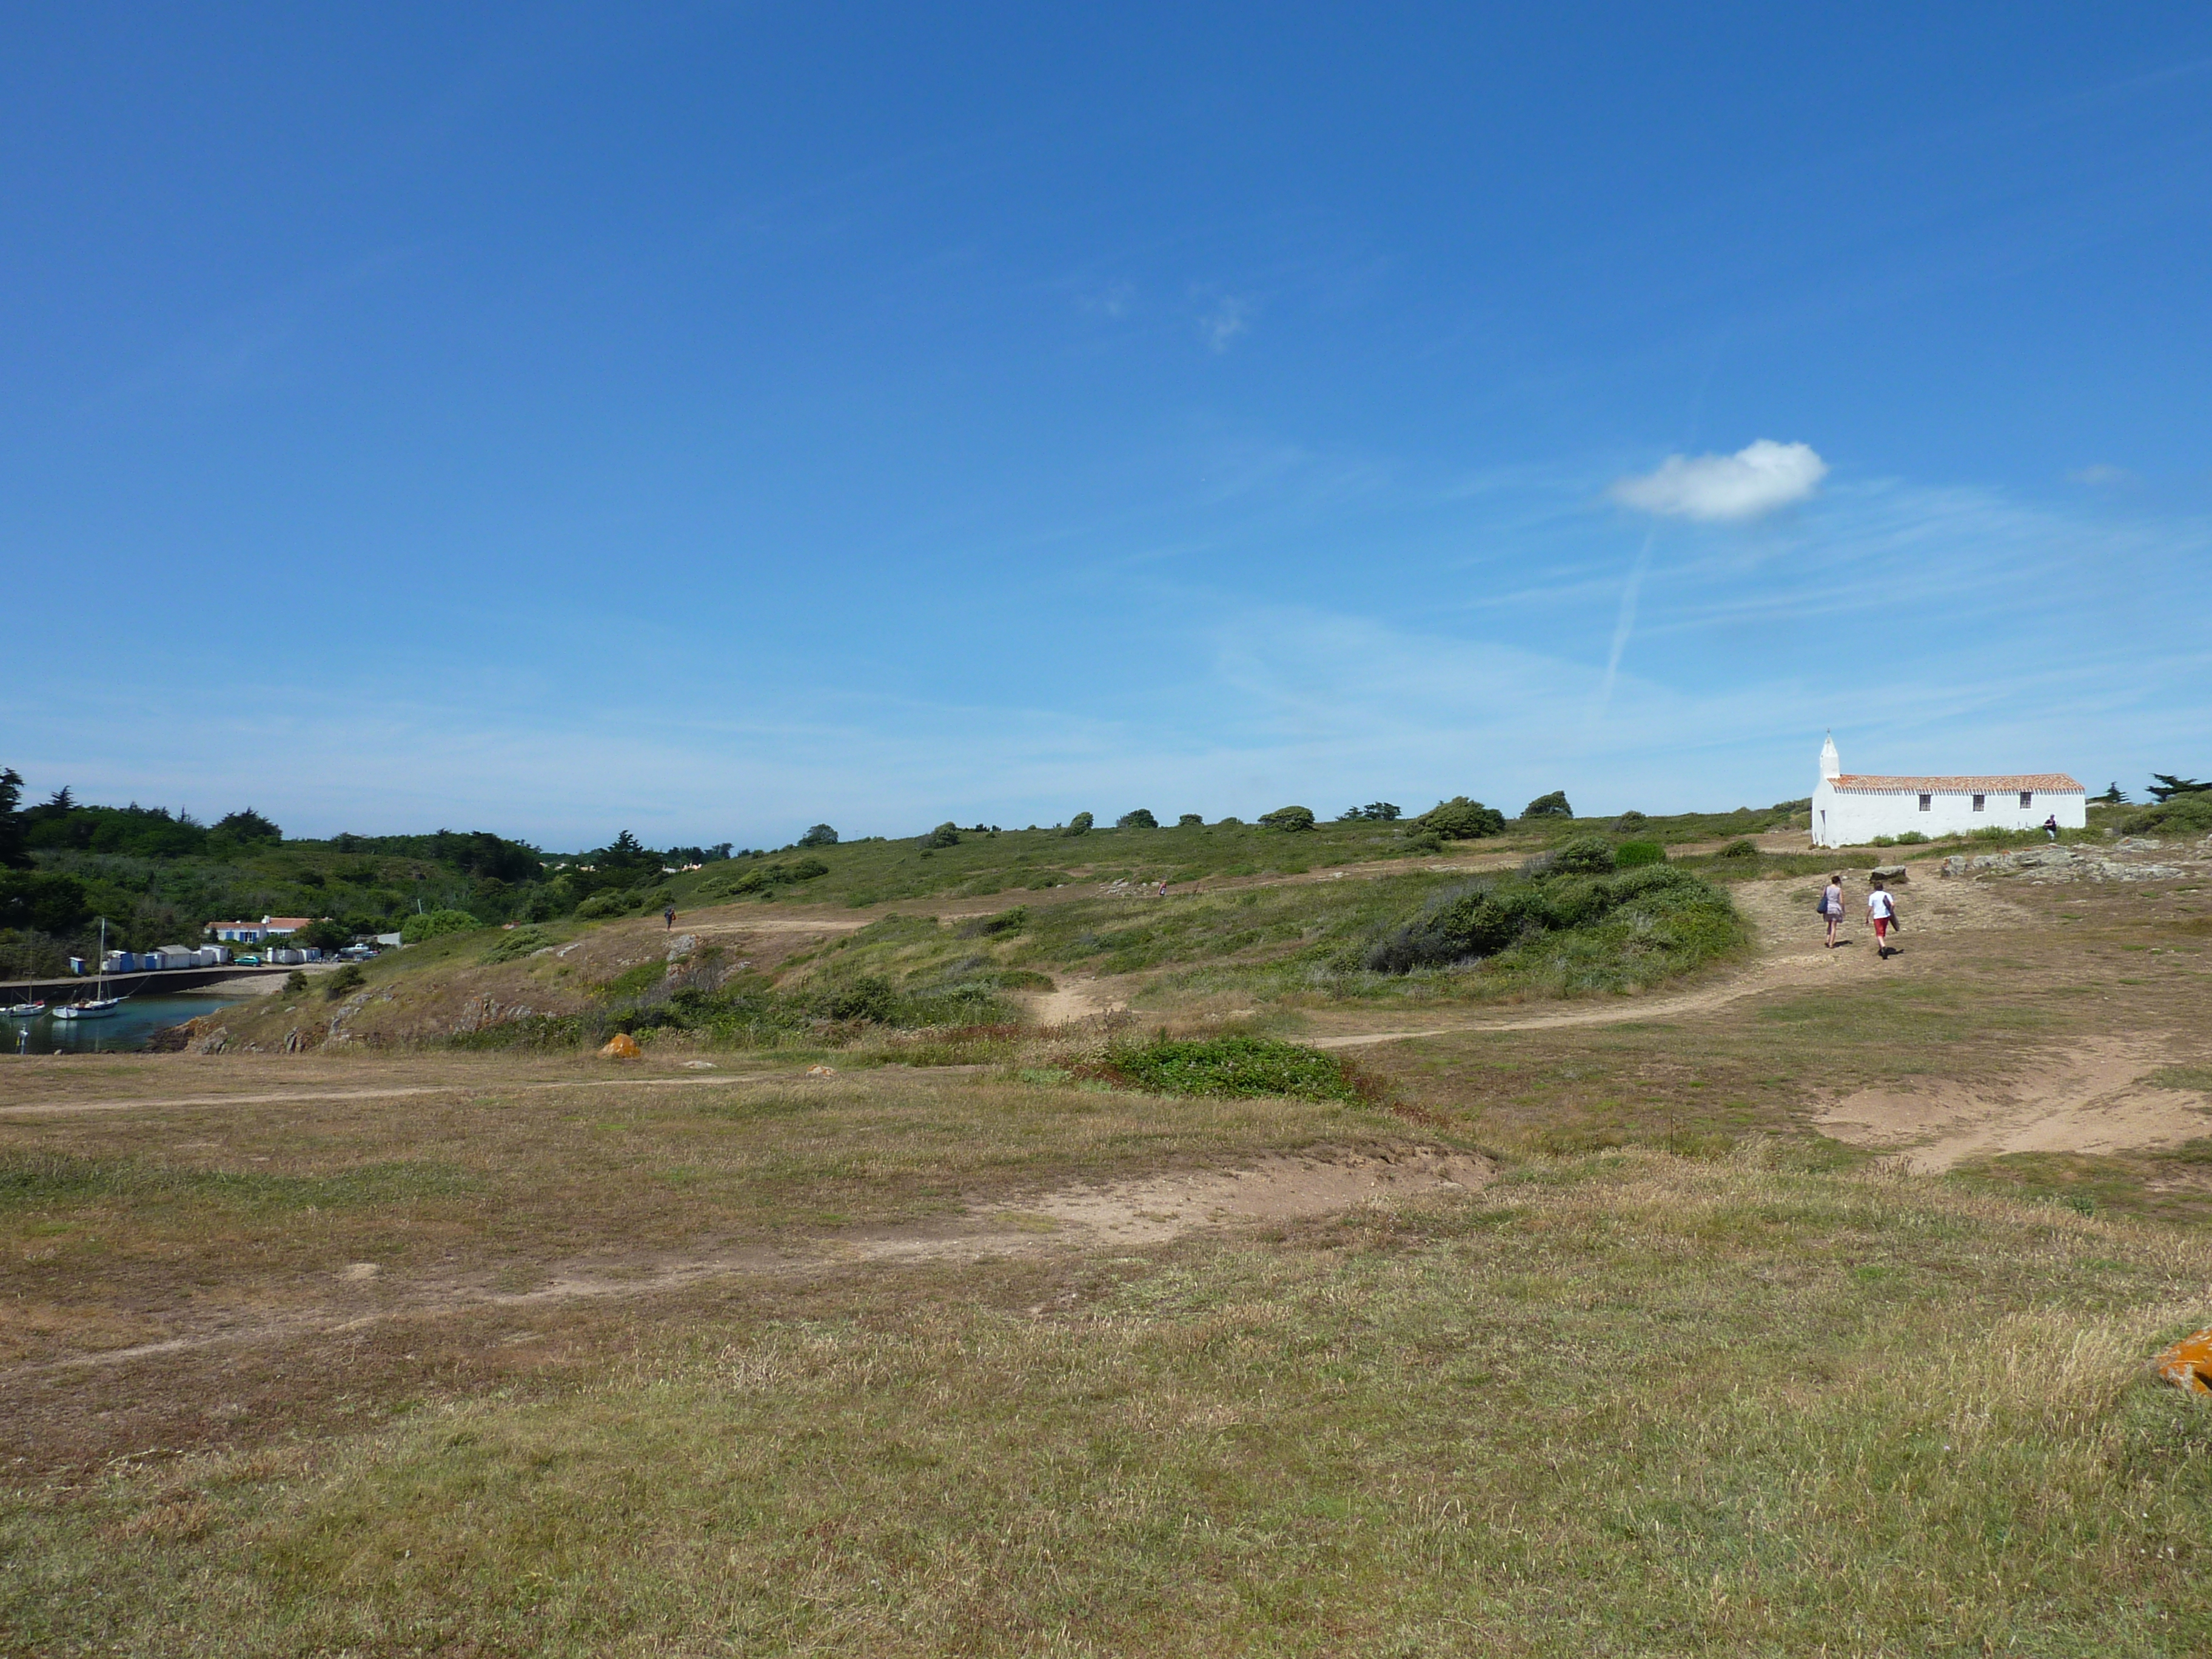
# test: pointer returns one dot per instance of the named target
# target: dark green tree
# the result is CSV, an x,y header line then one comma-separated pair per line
x,y
1553,805
1292,820
1080,824
2166,788
1188,819
820,835
2113,795
1139,819
13,854
248,825
946,834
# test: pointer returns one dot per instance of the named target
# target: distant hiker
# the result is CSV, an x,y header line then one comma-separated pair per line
x,y
1163,890
2050,826
1881,911
1832,907
668,917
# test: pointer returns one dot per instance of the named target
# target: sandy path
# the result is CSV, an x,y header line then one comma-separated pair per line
x,y
295,1097
1790,954
1107,1215
2093,1099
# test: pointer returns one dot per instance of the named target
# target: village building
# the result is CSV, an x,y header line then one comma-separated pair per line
x,y
253,932
1850,809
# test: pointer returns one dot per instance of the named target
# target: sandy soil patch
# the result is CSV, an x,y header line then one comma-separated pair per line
x,y
1152,1210
2092,1100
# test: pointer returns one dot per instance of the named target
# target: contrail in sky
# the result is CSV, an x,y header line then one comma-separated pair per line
x,y
1624,626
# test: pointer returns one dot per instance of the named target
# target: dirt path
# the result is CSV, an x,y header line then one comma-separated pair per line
x,y
296,1096
2092,1100
1106,1215
1791,954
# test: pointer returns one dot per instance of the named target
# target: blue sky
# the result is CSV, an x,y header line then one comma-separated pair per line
x,y
711,420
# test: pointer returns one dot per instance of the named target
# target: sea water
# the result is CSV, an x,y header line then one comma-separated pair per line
x,y
128,1030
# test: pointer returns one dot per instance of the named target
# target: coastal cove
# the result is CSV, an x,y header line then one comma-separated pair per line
x,y
128,1031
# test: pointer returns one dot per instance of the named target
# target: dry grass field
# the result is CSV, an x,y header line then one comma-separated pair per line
x,y
1803,1308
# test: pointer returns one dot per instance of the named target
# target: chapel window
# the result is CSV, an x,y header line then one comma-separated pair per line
x,y
2027,797
1927,802
1979,799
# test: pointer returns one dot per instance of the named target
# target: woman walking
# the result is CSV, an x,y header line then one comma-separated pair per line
x,y
1831,904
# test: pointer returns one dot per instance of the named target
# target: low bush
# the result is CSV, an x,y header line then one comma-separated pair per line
x,y
1229,1067
1292,820
1461,819
1188,820
1585,855
515,942
945,835
348,980
436,924
1635,854
1005,921
1743,847
1139,819
1553,805
1659,907
2189,814
1080,824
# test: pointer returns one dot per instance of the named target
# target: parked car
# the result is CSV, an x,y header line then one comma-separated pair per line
x,y
358,952
249,960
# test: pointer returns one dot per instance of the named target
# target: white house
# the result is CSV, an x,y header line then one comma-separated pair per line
x,y
1849,809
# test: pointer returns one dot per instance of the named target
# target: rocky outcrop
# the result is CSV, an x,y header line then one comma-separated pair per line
x,y
2067,863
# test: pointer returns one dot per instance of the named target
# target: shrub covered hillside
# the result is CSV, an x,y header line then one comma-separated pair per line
x,y
159,877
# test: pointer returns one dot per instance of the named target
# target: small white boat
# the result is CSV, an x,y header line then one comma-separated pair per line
x,y
94,1007
24,1010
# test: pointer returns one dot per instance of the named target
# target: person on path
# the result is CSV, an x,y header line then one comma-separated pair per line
x,y
1831,902
1881,911
668,917
2050,826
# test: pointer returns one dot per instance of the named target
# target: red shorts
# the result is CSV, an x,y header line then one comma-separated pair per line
x,y
1882,926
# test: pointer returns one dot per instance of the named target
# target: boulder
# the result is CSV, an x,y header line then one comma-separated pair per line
x,y
621,1045
1892,873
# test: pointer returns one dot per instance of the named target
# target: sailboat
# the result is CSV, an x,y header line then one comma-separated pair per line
x,y
24,1010
99,1006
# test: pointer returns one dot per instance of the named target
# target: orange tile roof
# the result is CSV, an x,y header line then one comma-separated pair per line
x,y
2047,783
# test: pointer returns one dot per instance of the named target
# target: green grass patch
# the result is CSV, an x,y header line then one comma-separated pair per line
x,y
1231,1066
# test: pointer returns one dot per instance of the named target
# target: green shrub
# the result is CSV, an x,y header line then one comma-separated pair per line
x,y
1628,821
1291,820
1461,819
820,835
348,979
599,904
1188,820
1912,838
1231,1066
2186,814
1635,854
1585,855
436,924
1742,847
1005,921
1139,819
945,835
295,983
1080,824
517,942
1553,805
1491,916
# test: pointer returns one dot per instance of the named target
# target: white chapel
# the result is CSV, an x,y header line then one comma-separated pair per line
x,y
1850,809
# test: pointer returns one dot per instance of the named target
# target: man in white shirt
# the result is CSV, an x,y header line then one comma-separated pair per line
x,y
1881,911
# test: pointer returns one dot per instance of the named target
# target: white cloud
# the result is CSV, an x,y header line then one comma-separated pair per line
x,y
1228,318
2102,474
1758,478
